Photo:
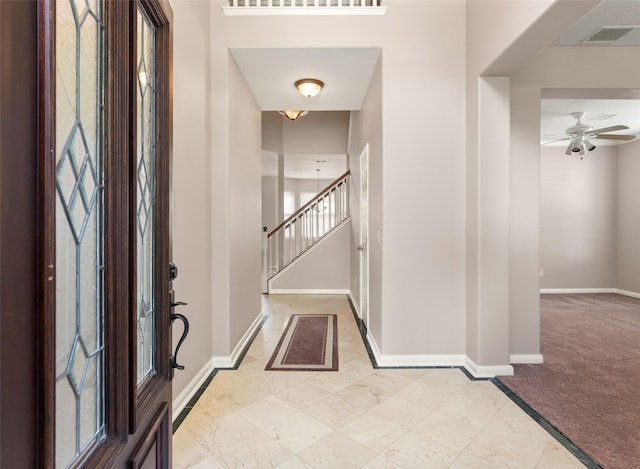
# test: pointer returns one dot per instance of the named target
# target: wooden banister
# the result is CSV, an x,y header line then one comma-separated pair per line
x,y
310,203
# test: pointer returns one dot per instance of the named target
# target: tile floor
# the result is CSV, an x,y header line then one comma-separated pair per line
x,y
358,417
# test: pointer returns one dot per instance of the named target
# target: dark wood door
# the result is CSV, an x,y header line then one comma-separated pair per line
x,y
86,292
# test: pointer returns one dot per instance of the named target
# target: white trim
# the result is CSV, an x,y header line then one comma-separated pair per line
x,y
306,291
569,291
355,304
230,361
181,400
364,259
304,11
487,371
413,360
577,290
374,347
627,293
526,359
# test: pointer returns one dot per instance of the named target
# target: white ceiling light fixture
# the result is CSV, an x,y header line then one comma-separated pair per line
x,y
309,87
293,114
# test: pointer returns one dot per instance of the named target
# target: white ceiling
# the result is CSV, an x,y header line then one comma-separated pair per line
x,y
599,113
272,72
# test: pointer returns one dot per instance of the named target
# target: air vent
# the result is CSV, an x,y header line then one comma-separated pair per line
x,y
607,34
602,117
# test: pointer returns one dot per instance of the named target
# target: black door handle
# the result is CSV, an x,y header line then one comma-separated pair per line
x,y
185,322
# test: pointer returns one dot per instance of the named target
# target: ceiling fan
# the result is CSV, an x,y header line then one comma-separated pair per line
x,y
580,133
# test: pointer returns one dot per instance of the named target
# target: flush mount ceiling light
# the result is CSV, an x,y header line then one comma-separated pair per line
x,y
292,114
309,87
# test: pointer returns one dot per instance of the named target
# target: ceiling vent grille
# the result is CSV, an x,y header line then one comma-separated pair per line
x,y
602,117
608,34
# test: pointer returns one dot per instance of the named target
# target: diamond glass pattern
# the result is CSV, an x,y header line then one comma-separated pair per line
x,y
77,365
79,316
145,197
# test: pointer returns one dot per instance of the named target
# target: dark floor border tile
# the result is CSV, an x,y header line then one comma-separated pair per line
x,y
192,402
553,431
363,334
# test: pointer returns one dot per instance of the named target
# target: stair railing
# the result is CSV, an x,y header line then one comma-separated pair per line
x,y
308,225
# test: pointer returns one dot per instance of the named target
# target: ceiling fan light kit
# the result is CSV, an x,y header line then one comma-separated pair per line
x,y
578,133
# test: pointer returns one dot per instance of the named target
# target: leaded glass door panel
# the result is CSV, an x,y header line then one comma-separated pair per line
x,y
79,209
105,313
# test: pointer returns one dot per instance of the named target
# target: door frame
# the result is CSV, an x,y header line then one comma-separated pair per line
x,y
364,236
19,236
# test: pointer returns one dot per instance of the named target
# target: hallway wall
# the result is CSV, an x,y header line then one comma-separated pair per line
x,y
191,223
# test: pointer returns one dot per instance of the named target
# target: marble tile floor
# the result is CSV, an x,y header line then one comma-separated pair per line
x,y
357,417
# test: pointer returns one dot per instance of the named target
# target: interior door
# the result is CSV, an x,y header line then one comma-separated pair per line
x,y
363,248
107,158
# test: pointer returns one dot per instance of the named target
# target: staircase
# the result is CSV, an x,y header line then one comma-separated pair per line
x,y
308,225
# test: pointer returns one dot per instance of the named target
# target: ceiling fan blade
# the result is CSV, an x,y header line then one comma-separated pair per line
x,y
615,137
608,129
557,140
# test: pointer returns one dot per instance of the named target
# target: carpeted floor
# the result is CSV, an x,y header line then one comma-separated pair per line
x,y
589,386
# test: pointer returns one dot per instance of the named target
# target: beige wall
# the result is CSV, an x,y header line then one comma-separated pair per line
x,y
589,222
628,226
578,205
319,132
325,267
245,215
191,223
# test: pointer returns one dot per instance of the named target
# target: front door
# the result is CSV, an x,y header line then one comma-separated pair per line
x,y
102,279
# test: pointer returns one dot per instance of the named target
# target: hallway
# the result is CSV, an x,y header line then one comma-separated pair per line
x,y
356,417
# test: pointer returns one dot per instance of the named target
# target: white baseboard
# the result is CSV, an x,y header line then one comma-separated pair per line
x,y
287,291
181,400
413,360
483,371
526,359
231,361
355,304
631,294
568,291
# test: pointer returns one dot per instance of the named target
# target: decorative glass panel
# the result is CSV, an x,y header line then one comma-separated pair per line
x,y
79,238
146,199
